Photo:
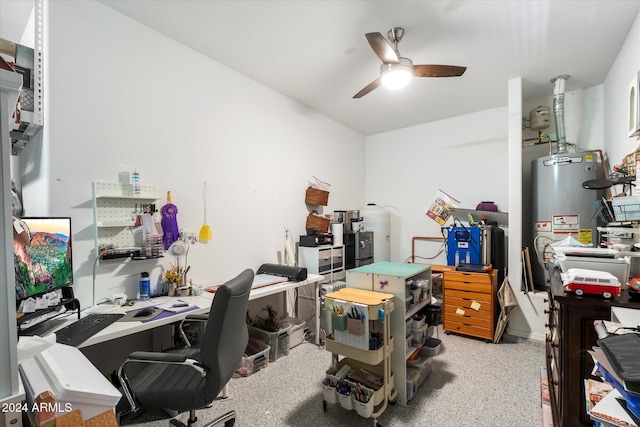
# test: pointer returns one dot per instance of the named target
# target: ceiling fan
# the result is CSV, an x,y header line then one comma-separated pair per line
x,y
396,71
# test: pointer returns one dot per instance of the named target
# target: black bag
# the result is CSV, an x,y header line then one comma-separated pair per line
x,y
623,352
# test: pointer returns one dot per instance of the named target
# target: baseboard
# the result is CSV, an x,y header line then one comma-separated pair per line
x,y
530,335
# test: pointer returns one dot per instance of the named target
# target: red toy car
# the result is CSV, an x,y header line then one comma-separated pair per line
x,y
582,281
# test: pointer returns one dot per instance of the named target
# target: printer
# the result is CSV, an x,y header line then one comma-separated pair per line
x,y
71,378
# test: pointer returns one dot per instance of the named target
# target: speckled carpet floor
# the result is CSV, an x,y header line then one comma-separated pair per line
x,y
472,383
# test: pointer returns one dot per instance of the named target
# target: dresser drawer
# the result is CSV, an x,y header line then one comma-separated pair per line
x,y
463,276
476,305
468,316
466,295
467,329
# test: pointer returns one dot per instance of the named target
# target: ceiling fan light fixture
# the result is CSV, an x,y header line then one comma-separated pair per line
x,y
396,75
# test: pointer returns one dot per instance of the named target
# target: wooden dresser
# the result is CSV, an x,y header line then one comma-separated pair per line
x,y
470,303
570,332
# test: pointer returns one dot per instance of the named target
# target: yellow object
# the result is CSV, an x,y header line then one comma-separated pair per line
x,y
205,231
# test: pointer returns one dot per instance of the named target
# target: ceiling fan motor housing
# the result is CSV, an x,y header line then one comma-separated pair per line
x,y
396,74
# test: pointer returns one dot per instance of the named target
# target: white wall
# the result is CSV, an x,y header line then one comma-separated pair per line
x,y
122,96
616,96
464,156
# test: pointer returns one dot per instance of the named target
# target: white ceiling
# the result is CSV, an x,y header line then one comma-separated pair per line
x,y
316,51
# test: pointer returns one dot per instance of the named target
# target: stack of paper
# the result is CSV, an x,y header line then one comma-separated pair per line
x,y
175,306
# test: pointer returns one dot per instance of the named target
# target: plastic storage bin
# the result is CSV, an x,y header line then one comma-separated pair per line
x,y
423,364
419,335
431,347
278,341
413,376
417,321
329,393
363,399
296,336
343,391
256,357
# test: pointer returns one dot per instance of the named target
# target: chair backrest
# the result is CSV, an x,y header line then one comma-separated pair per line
x,y
226,335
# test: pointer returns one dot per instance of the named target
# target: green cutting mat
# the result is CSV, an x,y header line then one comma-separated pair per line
x,y
398,269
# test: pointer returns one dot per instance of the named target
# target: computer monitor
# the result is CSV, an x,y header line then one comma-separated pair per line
x,y
42,255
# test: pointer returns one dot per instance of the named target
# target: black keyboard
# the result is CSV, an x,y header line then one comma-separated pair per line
x,y
83,329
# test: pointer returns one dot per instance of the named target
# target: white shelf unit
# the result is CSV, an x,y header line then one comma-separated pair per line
x,y
390,277
114,209
327,261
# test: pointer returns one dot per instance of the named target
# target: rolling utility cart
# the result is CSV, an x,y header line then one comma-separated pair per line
x,y
361,379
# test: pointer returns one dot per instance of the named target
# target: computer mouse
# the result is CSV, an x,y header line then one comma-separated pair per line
x,y
144,312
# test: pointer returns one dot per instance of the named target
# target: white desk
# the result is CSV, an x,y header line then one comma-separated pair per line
x,y
122,329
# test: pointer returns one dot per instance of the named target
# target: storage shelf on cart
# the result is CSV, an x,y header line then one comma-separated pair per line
x,y
415,308
371,357
378,395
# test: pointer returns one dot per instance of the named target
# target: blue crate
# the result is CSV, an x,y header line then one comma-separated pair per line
x,y
633,401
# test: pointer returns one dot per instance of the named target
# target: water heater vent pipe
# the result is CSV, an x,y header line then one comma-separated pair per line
x,y
558,111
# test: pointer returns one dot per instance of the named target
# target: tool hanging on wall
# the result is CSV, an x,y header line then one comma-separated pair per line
x,y
205,231
169,223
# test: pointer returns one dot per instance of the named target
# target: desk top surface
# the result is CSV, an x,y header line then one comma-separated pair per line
x,y
203,302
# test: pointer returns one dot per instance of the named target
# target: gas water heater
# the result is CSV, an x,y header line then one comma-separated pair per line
x,y
561,207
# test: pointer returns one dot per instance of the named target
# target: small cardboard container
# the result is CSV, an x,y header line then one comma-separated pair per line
x,y
319,222
315,196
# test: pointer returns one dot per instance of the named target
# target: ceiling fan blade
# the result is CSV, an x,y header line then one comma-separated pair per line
x,y
382,48
368,88
438,70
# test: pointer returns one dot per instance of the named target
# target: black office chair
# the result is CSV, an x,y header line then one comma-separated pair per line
x,y
190,378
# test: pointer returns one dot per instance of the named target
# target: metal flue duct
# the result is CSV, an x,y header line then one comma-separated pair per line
x,y
558,112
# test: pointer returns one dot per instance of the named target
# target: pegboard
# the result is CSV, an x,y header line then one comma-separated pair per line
x,y
115,211
347,338
123,191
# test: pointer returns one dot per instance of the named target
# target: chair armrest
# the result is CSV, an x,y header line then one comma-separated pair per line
x,y
198,317
152,356
191,318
